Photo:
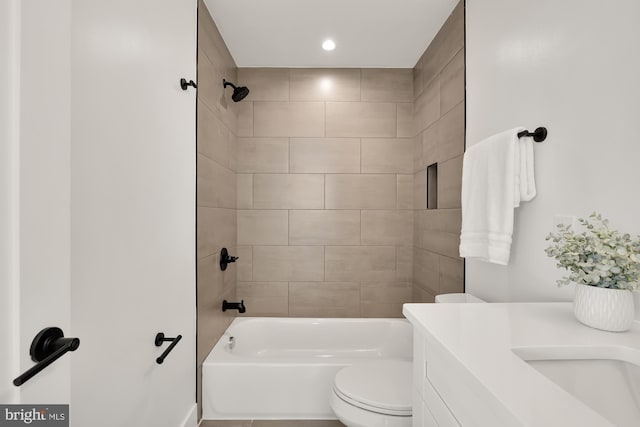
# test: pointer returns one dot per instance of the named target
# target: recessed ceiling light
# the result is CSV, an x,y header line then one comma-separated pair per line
x,y
328,44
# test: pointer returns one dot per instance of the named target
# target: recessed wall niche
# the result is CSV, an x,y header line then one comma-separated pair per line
x,y
432,186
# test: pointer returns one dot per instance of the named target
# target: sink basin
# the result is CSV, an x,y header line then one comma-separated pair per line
x,y
609,384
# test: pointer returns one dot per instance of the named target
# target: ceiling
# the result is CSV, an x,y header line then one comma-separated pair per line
x,y
368,33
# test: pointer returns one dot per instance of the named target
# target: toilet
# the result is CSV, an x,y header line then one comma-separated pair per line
x,y
379,393
373,394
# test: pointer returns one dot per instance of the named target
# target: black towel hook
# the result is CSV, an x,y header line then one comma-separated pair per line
x,y
185,85
160,338
539,135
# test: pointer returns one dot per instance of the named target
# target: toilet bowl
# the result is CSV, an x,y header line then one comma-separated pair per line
x,y
373,394
378,394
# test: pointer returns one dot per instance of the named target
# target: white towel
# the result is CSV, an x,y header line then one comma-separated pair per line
x,y
497,174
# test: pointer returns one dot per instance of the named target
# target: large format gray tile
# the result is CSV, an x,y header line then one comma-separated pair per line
x,y
452,83
450,129
361,119
426,270
263,155
216,185
360,263
294,119
405,192
264,298
384,299
265,84
288,263
244,264
387,227
216,229
213,135
263,227
325,155
405,127
324,299
427,106
445,45
446,220
431,145
451,275
324,227
325,84
446,244
245,191
368,191
450,183
288,191
245,118
387,84
387,155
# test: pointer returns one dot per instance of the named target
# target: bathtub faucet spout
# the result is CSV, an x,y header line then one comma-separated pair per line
x,y
234,306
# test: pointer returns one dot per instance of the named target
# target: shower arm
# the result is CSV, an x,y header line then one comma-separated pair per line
x,y
225,83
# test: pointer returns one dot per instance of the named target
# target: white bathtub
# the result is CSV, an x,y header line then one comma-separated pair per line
x,y
283,368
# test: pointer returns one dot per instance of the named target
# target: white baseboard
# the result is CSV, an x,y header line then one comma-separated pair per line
x,y
191,420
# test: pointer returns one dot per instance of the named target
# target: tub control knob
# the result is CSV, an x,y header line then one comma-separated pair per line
x,y
226,259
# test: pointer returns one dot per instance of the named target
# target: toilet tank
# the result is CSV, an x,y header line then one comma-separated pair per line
x,y
458,298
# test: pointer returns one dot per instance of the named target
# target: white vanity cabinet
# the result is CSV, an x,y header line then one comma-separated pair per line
x,y
429,410
477,365
447,396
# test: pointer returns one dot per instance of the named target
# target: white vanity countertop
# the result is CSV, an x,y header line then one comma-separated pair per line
x,y
481,338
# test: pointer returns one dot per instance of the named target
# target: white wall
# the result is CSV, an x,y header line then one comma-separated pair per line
x,y
44,187
572,66
133,157
92,108
34,196
9,159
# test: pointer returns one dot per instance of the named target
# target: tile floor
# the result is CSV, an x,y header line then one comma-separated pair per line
x,y
273,423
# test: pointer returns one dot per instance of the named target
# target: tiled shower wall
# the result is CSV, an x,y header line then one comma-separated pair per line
x,y
216,186
331,165
317,181
440,127
325,192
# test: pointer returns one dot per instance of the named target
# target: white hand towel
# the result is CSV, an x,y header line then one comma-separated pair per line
x,y
497,174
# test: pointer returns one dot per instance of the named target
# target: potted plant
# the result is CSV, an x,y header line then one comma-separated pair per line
x,y
604,264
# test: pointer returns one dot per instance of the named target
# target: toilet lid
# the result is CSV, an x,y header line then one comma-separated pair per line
x,y
382,386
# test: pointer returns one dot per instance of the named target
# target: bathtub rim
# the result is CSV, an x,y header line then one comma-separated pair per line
x,y
218,354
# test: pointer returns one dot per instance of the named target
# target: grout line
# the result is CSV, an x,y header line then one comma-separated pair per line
x,y
361,153
253,119
360,227
288,299
252,263
360,91
397,130
288,227
290,169
324,264
325,119
324,191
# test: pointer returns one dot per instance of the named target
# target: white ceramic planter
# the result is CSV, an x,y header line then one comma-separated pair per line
x,y
604,308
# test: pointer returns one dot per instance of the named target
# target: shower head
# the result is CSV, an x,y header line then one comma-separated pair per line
x,y
239,93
